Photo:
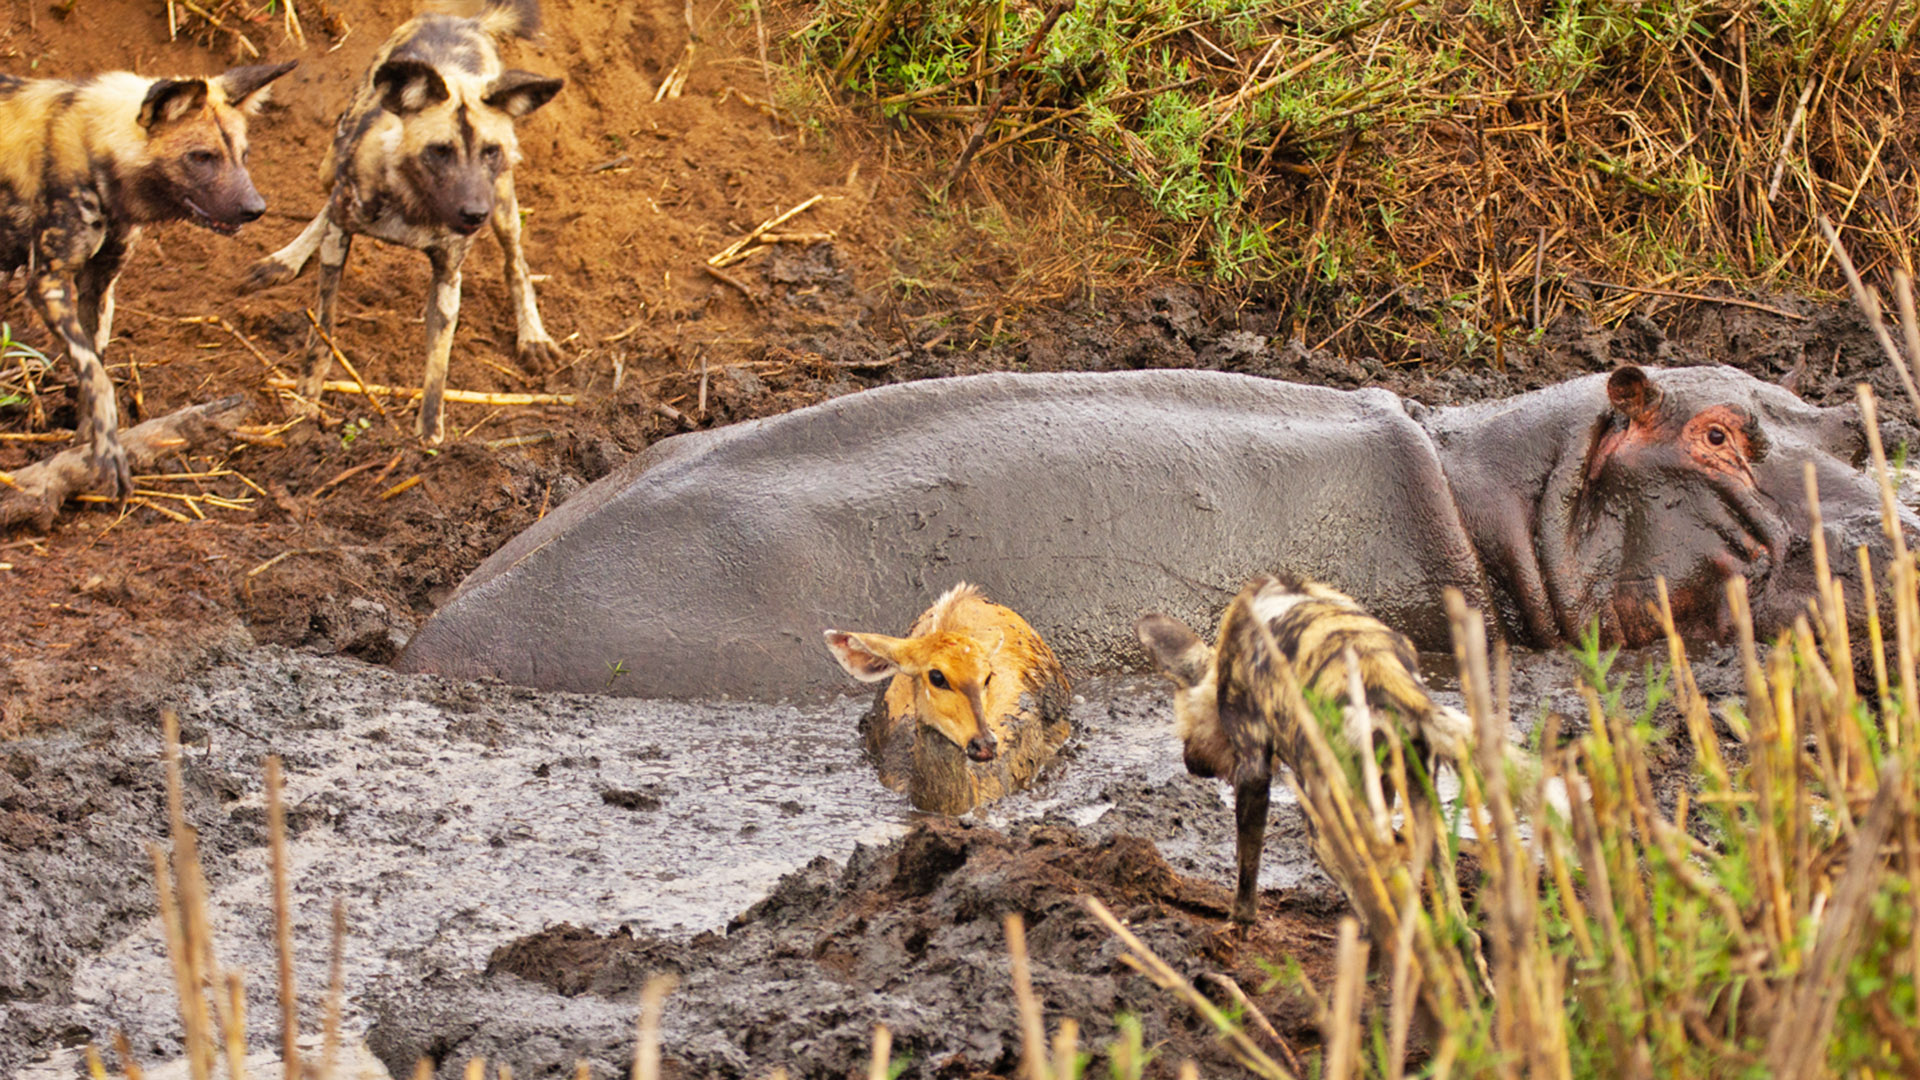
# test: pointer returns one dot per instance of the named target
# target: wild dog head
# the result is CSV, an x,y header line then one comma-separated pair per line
x,y
1191,663
948,671
456,136
194,161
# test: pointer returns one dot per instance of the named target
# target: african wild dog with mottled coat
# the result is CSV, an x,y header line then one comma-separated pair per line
x,y
83,165
422,157
1238,704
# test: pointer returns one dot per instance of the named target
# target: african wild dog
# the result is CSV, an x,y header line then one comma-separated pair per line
x,y
83,165
1233,711
944,730
422,157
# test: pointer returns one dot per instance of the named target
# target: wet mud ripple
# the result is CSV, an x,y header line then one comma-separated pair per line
x,y
908,934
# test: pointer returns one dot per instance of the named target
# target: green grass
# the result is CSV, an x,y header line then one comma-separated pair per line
x,y
1286,147
21,367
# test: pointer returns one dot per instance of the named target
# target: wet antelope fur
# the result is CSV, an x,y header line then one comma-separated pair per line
x,y
422,158
83,165
1237,709
976,706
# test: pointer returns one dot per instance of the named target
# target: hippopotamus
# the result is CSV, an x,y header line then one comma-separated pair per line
x,y
711,562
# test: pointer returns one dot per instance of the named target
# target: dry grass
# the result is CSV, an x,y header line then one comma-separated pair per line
x,y
1482,162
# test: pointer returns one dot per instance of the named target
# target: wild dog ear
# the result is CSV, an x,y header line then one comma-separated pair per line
x,y
171,100
407,86
1174,649
247,87
518,93
1633,394
867,657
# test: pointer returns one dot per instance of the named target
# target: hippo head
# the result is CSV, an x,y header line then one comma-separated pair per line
x,y
1695,476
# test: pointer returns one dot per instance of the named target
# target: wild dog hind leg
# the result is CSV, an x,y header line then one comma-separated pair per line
x,y
1250,800
537,349
443,313
335,244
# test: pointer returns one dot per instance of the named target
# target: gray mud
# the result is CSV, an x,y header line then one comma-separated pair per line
x,y
456,820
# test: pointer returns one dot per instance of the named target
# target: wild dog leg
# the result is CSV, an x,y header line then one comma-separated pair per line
x,y
536,348
56,296
443,312
285,265
335,244
1250,800
93,292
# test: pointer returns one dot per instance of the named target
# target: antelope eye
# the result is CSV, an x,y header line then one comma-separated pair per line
x,y
1717,435
938,678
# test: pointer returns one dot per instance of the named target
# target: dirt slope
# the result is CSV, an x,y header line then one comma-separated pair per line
x,y
626,197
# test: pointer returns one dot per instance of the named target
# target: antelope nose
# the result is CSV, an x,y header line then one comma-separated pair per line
x,y
982,747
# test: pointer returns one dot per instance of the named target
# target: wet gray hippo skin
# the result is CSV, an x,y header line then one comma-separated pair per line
x,y
710,564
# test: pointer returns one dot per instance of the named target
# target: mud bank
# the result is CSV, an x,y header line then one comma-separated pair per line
x,y
909,935
484,836
456,818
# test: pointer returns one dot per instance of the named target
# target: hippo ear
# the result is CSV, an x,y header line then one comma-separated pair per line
x,y
1174,649
867,657
1633,394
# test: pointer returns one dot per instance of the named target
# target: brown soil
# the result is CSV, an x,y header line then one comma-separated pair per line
x,y
626,197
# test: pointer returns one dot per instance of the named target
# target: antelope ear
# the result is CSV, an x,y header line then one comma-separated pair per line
x,y
1174,649
1633,394
867,657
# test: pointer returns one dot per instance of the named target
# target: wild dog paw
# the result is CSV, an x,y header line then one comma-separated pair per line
x,y
112,474
266,273
539,355
434,434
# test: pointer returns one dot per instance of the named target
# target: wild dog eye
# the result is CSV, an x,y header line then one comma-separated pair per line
x,y
491,154
202,158
1717,435
440,152
988,681
938,678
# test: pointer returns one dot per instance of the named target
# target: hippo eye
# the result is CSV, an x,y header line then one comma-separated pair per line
x,y
1717,435
938,678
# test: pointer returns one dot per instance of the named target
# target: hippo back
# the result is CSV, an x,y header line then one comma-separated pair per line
x,y
710,564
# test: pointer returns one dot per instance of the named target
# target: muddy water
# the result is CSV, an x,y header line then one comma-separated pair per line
x,y
453,818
